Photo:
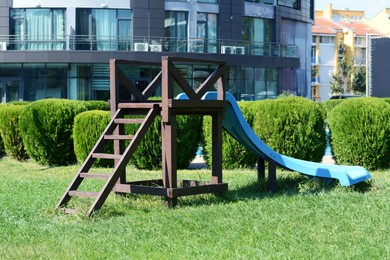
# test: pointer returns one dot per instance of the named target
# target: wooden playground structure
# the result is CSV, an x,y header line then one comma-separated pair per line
x,y
125,145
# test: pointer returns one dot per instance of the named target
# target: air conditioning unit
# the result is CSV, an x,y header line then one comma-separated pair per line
x,y
228,49
3,46
240,50
155,47
141,46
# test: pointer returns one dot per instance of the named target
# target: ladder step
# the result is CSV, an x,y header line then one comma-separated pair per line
x,y
86,194
94,175
118,137
106,156
129,120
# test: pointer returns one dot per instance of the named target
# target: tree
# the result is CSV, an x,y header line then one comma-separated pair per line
x,y
359,80
341,81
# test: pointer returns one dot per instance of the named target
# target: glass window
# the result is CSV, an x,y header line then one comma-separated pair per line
x,y
270,2
103,29
38,29
294,4
206,33
257,33
208,1
176,31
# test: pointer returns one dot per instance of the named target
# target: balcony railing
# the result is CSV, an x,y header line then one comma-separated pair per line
x,y
100,43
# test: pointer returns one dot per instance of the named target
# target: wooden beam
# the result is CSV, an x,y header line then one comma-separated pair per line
x,y
151,88
129,85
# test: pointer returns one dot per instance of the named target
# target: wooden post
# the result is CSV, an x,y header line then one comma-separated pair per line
x,y
260,169
119,146
271,176
217,147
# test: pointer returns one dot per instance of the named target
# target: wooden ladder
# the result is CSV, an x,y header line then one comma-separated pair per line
x,y
121,160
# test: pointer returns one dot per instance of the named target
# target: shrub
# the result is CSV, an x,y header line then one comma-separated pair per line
x,y
149,153
292,126
96,105
387,100
360,133
329,105
46,126
10,133
2,151
88,126
234,154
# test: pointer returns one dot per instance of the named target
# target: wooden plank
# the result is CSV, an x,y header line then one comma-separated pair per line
x,y
118,137
129,120
85,194
129,85
106,156
140,189
94,175
151,88
210,81
194,190
182,82
148,105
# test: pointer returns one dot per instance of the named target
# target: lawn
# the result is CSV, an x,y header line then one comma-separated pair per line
x,y
305,219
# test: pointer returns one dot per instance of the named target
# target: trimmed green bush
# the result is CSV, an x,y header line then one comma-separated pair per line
x,y
46,126
234,154
149,154
88,126
292,126
360,133
2,151
387,100
328,105
10,133
96,105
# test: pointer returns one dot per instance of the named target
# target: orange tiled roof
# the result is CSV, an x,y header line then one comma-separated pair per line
x,y
360,28
325,26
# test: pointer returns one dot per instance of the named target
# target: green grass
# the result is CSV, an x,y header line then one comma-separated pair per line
x,y
305,219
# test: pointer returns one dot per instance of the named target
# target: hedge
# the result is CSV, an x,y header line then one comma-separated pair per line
x,y
10,133
292,126
88,126
148,154
234,154
360,133
329,105
46,126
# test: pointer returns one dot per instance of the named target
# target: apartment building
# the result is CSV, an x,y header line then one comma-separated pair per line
x,y
337,33
61,49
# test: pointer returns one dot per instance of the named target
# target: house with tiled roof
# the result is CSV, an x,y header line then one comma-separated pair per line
x,y
337,33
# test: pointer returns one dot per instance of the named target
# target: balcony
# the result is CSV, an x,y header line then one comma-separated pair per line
x,y
137,44
359,61
315,60
315,81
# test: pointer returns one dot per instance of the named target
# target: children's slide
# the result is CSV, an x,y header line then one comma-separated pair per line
x,y
236,125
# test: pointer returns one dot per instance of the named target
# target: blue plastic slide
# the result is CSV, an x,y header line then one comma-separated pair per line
x,y
236,125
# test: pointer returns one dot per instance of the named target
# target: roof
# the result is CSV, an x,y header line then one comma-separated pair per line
x,y
360,28
325,26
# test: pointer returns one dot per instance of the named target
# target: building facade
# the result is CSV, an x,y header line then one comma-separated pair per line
x,y
337,34
60,49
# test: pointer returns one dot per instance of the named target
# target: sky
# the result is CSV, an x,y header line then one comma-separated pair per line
x,y
370,7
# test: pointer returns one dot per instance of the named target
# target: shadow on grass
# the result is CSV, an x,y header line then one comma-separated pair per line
x,y
256,190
